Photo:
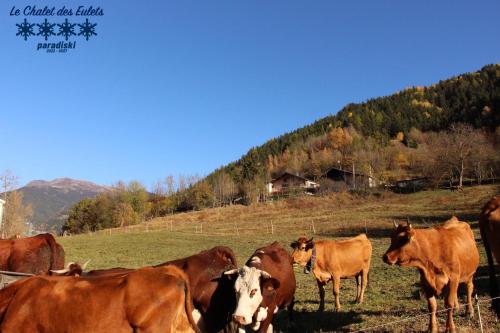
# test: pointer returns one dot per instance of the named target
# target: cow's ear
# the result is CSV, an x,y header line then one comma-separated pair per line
x,y
309,244
294,244
269,286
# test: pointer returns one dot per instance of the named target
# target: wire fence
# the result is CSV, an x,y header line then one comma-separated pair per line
x,y
415,318
294,225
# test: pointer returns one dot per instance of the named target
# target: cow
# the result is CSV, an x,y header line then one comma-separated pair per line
x,y
212,291
489,226
35,255
146,300
263,285
335,260
445,256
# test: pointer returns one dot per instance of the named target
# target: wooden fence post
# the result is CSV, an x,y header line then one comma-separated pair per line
x,y
272,228
312,227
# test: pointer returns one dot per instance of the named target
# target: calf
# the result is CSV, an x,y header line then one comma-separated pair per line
x,y
265,284
146,300
445,256
489,225
335,260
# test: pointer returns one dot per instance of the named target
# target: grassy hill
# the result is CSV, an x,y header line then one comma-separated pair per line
x,y
393,293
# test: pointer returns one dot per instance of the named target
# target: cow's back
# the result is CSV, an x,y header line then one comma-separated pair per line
x,y
36,255
275,260
153,300
346,257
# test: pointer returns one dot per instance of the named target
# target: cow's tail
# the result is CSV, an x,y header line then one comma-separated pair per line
x,y
188,304
57,253
491,269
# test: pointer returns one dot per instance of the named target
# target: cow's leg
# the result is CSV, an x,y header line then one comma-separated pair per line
x,y
336,292
321,288
470,309
450,304
432,304
358,287
364,284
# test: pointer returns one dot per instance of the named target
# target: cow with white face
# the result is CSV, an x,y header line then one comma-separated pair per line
x,y
249,293
265,284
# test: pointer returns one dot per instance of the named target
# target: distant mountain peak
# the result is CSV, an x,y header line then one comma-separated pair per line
x,y
51,199
66,183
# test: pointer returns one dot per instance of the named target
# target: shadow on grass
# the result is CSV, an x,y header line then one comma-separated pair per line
x,y
321,321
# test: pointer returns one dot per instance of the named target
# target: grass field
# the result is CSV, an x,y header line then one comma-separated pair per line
x,y
393,292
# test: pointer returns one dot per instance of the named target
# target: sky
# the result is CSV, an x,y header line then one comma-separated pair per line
x,y
184,87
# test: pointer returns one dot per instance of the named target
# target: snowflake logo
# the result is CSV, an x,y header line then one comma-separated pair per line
x,y
25,29
66,29
87,29
46,29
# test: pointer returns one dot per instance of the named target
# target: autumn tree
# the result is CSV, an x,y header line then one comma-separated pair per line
x,y
16,214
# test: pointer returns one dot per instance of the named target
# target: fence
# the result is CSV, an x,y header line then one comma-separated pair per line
x,y
414,318
299,225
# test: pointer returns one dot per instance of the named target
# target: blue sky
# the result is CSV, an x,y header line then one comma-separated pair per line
x,y
183,87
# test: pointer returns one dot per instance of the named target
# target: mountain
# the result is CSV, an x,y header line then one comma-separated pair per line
x,y
51,200
472,98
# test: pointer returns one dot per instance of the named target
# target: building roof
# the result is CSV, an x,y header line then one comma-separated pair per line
x,y
347,171
292,175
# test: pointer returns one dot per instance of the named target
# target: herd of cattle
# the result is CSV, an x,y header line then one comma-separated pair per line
x,y
207,292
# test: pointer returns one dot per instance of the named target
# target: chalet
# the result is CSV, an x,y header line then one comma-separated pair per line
x,y
289,182
350,179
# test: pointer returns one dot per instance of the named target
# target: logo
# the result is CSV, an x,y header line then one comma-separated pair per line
x,y
57,34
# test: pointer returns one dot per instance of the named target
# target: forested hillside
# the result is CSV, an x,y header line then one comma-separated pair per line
x,y
472,98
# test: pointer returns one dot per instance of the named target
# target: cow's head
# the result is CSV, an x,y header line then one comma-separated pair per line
x,y
252,286
73,269
402,248
302,250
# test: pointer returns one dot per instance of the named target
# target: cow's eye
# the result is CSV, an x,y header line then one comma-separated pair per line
x,y
252,293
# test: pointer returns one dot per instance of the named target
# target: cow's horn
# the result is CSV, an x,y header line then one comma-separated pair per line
x,y
231,271
62,271
265,275
85,264
395,224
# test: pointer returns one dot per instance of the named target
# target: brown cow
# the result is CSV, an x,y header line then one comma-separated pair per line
x,y
213,292
265,284
35,255
335,260
489,225
146,300
445,256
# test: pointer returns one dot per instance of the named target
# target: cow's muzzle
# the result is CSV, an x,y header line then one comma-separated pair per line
x,y
386,259
240,320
